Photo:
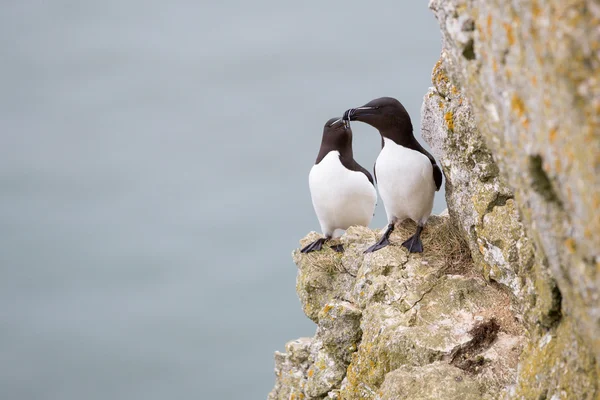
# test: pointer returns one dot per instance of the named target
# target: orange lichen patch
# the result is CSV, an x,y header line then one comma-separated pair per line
x,y
438,77
570,243
489,25
494,66
326,308
508,73
525,123
552,135
534,80
517,105
441,105
310,373
557,164
454,90
536,10
482,249
449,120
510,36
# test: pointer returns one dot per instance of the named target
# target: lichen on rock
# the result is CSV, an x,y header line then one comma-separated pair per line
x,y
525,121
391,310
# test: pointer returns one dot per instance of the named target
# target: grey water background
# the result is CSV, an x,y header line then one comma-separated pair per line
x,y
153,182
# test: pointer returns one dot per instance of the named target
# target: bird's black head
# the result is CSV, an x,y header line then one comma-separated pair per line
x,y
337,136
386,114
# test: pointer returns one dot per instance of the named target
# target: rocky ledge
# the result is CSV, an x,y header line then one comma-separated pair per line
x,y
398,326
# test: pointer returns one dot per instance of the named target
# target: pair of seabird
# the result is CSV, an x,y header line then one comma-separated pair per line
x,y
407,176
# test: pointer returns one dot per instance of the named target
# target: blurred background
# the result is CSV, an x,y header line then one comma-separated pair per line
x,y
154,161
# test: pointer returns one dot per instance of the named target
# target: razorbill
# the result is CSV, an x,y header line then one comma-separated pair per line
x,y
342,191
407,175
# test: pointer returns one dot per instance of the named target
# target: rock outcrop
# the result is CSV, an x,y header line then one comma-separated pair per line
x,y
389,319
514,117
505,301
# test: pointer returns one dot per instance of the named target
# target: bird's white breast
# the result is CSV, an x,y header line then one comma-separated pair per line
x,y
341,197
405,182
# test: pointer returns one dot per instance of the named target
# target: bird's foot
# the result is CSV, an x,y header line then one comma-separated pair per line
x,y
338,248
414,244
314,246
383,242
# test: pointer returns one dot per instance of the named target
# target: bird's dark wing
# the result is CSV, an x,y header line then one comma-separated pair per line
x,y
352,165
437,176
437,172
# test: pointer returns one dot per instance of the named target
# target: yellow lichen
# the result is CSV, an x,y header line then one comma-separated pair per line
x,y
439,78
489,25
310,373
552,135
536,10
510,36
517,105
449,120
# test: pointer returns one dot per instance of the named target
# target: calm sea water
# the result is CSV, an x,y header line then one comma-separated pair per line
x,y
153,182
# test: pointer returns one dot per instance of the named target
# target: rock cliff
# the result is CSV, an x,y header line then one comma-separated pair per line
x,y
393,325
505,300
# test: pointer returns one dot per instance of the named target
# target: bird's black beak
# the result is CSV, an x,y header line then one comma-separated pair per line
x,y
355,114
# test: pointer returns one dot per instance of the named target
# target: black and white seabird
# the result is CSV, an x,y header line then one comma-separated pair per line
x,y
342,191
407,175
